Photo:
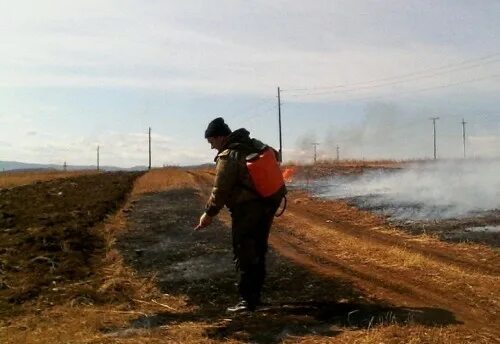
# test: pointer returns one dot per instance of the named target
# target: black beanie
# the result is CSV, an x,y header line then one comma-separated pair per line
x,y
217,128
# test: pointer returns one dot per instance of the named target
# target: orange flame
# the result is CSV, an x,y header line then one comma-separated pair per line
x,y
288,174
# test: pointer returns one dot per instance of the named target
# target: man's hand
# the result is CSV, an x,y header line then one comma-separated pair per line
x,y
205,220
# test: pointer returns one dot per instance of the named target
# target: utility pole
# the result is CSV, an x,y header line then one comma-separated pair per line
x,y
97,158
149,167
463,133
338,153
279,125
315,144
434,125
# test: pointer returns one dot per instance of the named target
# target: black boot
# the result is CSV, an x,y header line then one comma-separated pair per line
x,y
242,306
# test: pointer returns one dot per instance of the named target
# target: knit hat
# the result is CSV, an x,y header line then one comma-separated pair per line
x,y
217,128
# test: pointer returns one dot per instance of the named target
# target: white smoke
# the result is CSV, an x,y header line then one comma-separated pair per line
x,y
425,191
402,131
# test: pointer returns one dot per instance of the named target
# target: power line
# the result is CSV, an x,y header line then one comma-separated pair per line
x,y
424,73
413,91
408,123
368,87
248,113
252,117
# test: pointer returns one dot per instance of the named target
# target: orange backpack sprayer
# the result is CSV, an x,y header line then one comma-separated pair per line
x,y
265,173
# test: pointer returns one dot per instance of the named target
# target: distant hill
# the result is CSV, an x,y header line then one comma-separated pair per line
x,y
23,166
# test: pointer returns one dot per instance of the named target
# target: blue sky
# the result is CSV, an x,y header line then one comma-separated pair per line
x,y
364,75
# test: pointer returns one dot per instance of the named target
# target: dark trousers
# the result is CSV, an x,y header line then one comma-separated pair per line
x,y
251,222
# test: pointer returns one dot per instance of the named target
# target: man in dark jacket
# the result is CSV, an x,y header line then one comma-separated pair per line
x,y
251,215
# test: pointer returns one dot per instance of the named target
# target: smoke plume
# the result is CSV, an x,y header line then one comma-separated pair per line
x,y
424,191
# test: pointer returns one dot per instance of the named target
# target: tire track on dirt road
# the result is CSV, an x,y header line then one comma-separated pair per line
x,y
479,260
393,286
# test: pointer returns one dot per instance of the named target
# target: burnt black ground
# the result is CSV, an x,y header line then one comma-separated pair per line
x,y
160,241
458,230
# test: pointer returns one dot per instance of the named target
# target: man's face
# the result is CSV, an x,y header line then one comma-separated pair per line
x,y
216,142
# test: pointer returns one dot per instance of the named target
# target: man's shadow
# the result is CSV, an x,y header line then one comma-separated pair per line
x,y
275,320
272,322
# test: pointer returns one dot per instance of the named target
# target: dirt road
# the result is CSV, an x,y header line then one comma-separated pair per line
x,y
331,267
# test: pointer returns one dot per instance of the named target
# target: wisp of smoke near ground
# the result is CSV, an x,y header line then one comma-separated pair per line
x,y
423,191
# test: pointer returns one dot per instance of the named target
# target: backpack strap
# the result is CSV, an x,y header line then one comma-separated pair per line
x,y
282,209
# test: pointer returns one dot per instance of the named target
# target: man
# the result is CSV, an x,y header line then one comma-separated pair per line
x,y
251,214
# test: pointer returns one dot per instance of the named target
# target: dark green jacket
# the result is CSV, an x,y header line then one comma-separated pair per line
x,y
232,185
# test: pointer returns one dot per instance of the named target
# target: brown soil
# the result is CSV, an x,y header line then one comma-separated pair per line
x,y
335,273
46,237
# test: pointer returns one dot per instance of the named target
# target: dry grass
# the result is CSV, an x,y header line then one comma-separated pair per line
x,y
11,179
394,334
398,257
162,179
130,297
81,325
84,324
374,256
